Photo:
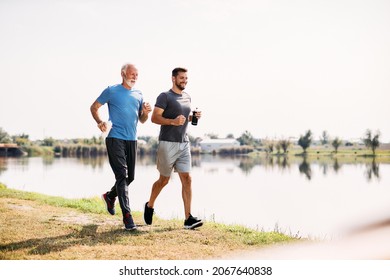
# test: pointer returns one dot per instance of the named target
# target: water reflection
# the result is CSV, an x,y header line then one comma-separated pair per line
x,y
247,164
283,162
244,163
94,162
372,170
3,165
5,162
47,160
196,160
304,168
336,165
324,167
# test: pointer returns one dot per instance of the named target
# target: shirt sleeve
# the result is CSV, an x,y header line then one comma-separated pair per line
x,y
162,101
104,96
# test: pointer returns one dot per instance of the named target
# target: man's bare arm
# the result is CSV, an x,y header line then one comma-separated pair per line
x,y
157,118
95,114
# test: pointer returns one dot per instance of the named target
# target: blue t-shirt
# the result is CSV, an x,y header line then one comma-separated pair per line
x,y
124,108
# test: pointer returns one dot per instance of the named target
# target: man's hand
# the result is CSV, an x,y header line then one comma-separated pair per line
x,y
146,108
103,126
180,120
198,114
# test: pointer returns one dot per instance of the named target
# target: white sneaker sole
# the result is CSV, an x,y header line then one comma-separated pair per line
x,y
131,229
196,225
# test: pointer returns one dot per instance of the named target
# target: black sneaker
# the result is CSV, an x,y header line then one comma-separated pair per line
x,y
192,222
148,214
110,203
129,223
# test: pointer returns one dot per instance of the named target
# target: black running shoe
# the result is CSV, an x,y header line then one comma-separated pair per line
x,y
148,214
129,223
192,222
110,203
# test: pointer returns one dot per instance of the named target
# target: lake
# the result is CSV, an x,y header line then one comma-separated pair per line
x,y
307,198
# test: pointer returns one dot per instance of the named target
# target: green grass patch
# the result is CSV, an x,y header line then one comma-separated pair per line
x,y
90,205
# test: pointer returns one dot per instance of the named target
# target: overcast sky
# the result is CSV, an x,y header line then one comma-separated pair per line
x,y
274,68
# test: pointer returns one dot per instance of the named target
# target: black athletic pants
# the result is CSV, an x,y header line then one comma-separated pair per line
x,y
122,155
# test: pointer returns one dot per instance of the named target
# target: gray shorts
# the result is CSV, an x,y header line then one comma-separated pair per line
x,y
173,155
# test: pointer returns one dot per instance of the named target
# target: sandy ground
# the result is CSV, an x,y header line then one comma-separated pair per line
x,y
368,243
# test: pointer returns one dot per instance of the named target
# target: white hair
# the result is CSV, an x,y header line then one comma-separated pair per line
x,y
125,66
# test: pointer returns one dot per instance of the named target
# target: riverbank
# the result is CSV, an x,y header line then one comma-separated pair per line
x,y
368,242
40,227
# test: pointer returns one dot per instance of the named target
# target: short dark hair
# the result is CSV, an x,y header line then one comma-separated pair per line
x,y
176,71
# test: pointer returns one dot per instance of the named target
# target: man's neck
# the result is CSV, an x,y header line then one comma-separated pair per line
x,y
176,90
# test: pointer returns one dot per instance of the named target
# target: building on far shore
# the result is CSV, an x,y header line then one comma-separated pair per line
x,y
213,145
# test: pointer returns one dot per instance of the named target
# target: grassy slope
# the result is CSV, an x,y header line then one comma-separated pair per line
x,y
43,227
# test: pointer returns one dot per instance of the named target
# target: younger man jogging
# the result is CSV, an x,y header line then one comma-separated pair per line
x,y
172,112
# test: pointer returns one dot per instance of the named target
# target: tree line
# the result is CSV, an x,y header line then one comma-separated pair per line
x,y
280,146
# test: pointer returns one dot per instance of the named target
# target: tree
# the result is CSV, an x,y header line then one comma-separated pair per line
x,y
21,140
336,143
285,144
49,142
305,141
22,136
246,139
212,135
4,136
269,146
324,138
372,141
194,140
278,147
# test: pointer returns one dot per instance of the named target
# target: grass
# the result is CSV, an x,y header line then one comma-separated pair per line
x,y
40,227
92,205
35,151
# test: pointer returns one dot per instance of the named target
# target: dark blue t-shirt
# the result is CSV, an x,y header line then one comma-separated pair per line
x,y
174,105
124,108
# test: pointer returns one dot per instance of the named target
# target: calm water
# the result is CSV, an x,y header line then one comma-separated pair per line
x,y
309,199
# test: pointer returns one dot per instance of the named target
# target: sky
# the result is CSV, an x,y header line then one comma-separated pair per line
x,y
273,68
